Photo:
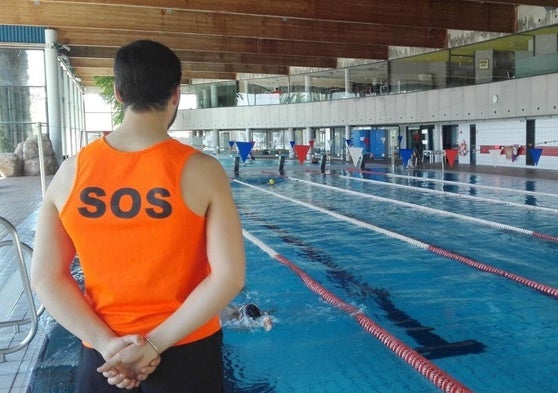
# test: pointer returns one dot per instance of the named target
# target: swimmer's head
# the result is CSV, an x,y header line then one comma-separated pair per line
x,y
250,311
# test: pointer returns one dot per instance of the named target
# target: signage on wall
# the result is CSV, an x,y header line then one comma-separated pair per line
x,y
483,64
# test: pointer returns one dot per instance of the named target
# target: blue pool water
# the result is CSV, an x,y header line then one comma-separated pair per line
x,y
488,332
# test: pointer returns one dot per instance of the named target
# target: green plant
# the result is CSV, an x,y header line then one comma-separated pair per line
x,y
106,84
5,145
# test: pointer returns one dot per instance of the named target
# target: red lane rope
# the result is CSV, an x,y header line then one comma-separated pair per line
x,y
433,373
545,236
546,289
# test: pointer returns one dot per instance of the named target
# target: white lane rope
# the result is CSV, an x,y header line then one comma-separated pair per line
x,y
480,186
439,212
545,289
455,195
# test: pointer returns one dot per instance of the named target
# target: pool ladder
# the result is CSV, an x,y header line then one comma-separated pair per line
x,y
34,312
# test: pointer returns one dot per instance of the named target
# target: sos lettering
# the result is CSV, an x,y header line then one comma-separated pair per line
x,y
125,203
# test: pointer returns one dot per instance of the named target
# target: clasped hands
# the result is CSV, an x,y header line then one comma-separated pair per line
x,y
129,360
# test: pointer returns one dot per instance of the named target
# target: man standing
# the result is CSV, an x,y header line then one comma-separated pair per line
x,y
158,237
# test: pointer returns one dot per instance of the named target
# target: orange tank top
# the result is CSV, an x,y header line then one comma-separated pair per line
x,y
141,249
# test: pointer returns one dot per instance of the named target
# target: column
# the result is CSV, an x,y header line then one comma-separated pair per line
x,y
215,141
53,92
291,138
347,156
66,102
347,82
308,88
246,91
214,97
205,99
309,137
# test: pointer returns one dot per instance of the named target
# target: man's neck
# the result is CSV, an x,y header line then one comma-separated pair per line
x,y
139,131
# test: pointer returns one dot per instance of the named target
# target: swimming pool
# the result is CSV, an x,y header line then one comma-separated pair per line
x,y
405,269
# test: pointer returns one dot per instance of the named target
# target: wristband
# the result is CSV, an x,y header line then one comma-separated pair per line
x,y
153,345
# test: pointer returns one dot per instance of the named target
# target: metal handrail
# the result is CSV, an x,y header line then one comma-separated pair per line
x,y
35,313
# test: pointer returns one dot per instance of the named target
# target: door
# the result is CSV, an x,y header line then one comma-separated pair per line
x,y
473,143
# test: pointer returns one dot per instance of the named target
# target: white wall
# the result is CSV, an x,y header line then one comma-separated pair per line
x,y
499,111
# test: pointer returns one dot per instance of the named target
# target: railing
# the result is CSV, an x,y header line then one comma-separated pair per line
x,y
34,312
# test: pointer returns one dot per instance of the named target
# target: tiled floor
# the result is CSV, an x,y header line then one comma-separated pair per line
x,y
19,201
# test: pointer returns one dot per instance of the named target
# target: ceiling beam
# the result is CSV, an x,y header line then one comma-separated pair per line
x,y
151,19
444,14
97,71
88,77
209,75
541,3
226,58
107,69
92,40
89,80
235,68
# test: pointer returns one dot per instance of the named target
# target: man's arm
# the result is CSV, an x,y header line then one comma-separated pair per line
x,y
52,280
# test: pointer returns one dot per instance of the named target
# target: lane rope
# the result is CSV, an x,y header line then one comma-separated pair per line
x,y
543,288
439,212
425,367
455,195
453,182
479,186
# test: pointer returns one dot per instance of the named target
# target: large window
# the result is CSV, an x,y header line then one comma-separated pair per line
x,y
22,95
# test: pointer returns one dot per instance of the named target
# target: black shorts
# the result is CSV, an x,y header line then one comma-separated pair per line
x,y
190,368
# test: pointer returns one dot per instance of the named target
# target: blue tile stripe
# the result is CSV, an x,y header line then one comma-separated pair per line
x,y
23,34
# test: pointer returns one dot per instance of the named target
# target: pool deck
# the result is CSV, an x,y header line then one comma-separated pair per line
x,y
20,199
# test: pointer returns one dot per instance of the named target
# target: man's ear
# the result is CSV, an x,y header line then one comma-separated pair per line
x,y
117,95
175,98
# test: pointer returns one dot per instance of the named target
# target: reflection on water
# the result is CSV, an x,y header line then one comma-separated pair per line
x,y
530,185
473,180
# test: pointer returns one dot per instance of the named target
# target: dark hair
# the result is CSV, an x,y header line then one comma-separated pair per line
x,y
250,311
145,75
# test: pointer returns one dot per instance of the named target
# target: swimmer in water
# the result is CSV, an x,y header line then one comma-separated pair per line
x,y
248,314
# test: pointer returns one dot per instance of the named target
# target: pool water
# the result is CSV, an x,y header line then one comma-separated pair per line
x,y
488,332
503,333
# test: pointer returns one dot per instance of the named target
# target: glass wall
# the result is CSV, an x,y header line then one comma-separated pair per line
x,y
513,56
22,95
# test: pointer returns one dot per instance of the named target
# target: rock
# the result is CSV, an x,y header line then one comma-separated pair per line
x,y
28,153
10,165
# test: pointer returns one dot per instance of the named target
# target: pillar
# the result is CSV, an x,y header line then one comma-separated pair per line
x,y
346,149
309,137
291,138
347,82
308,87
205,99
53,92
246,91
66,103
214,96
215,141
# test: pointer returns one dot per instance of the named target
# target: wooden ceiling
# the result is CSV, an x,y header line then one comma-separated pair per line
x,y
221,39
